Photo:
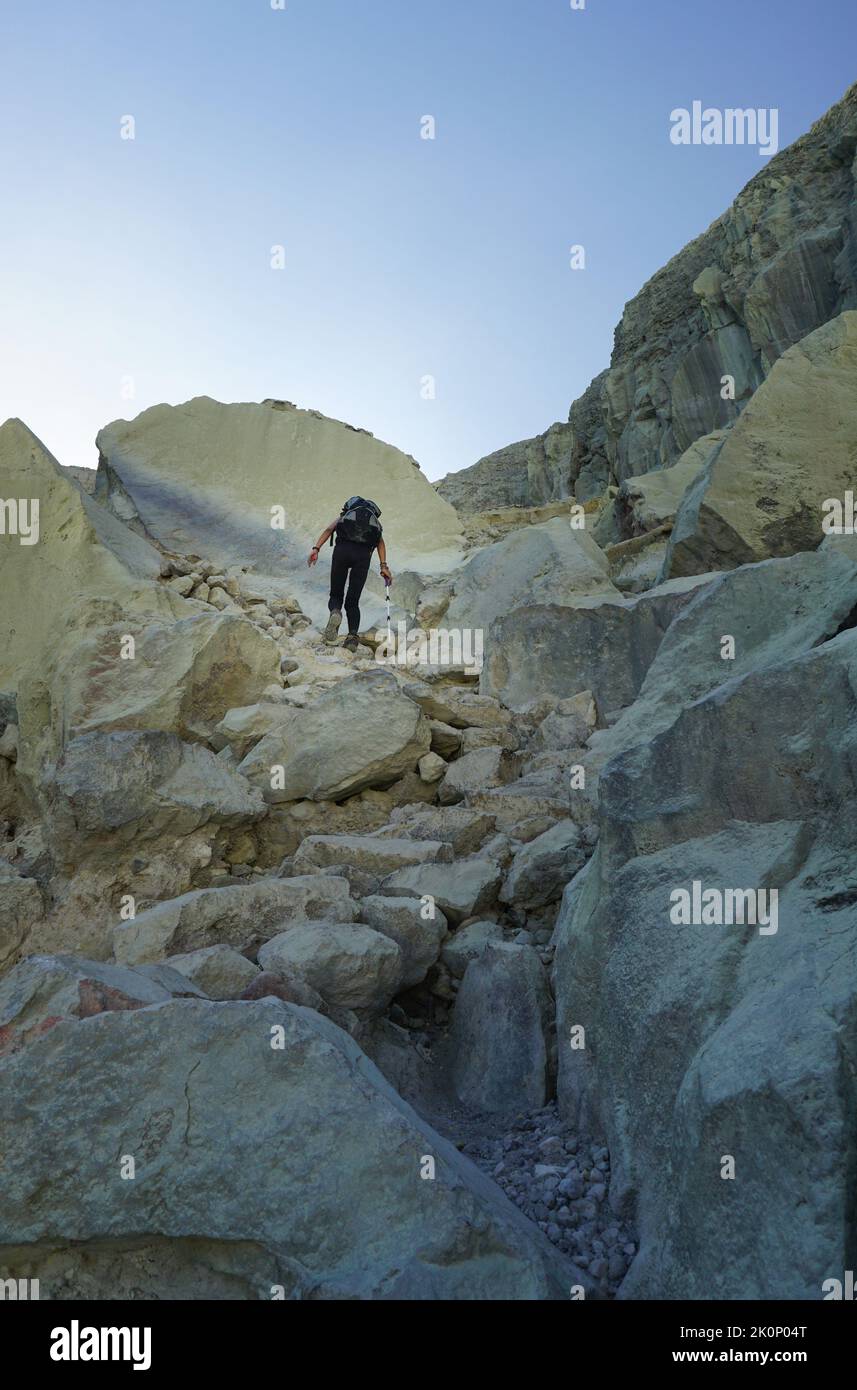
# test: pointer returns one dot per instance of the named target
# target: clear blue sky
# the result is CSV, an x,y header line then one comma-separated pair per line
x,y
150,259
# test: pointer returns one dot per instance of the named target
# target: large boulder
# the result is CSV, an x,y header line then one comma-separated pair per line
x,y
724,1034
465,830
499,1048
362,733
82,559
773,611
219,971
476,771
762,493
419,934
127,786
652,500
44,989
604,646
541,869
182,678
240,915
553,562
269,1152
460,890
203,477
350,965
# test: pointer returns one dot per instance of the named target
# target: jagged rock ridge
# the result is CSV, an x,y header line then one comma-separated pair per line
x,y
778,264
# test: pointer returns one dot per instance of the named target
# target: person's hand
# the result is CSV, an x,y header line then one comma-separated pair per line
x,y
386,575
313,556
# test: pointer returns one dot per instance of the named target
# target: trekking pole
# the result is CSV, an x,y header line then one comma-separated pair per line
x,y
387,594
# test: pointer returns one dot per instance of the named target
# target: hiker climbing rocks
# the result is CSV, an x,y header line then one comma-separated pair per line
x,y
358,533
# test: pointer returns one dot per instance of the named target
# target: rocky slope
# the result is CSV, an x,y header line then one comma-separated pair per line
x,y
231,861
335,976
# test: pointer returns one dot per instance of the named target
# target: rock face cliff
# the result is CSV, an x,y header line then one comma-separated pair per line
x,y
521,475
398,973
779,264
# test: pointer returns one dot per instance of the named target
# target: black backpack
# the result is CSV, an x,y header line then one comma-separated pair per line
x,y
358,521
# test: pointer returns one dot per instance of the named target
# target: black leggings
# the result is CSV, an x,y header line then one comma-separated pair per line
x,y
349,555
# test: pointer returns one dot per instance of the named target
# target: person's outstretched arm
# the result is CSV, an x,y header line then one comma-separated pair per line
x,y
382,556
325,536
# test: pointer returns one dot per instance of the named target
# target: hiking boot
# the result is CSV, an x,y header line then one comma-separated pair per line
x,y
330,632
352,642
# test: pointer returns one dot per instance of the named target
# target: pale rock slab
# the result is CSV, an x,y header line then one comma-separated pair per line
x,y
82,554
42,990
362,733
350,965
220,971
460,890
374,854
133,786
604,647
460,827
537,564
762,493
419,936
202,478
238,915
477,771
200,1094
541,869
